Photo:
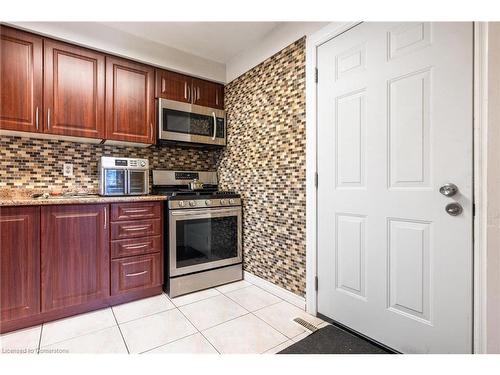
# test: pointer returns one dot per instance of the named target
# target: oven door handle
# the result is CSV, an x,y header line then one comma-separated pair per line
x,y
206,212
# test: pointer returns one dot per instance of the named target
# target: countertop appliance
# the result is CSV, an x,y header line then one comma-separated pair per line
x,y
204,226
190,123
123,176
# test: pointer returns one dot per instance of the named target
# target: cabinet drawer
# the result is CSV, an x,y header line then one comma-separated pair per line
x,y
137,228
135,211
139,272
135,246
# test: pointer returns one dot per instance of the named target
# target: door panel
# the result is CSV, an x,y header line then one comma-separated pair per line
x,y
134,273
395,124
20,80
73,90
74,255
173,86
208,94
20,262
129,101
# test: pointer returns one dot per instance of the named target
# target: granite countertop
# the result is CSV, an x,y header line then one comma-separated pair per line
x,y
21,197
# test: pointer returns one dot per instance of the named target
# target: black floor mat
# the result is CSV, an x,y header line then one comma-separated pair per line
x,y
333,340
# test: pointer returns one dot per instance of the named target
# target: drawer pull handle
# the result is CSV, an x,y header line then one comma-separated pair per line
x,y
136,246
136,210
136,274
140,228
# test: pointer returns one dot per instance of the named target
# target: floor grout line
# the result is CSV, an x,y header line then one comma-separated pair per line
x,y
119,329
252,313
77,336
40,339
201,333
144,316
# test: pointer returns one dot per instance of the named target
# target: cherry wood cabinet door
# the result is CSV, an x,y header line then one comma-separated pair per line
x,y
73,90
173,86
130,114
208,94
20,80
19,262
74,255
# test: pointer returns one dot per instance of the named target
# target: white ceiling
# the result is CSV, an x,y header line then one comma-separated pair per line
x,y
217,41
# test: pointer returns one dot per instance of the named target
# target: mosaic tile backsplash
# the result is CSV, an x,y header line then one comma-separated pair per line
x,y
265,161
37,163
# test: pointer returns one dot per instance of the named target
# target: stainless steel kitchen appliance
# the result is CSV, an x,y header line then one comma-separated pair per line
x,y
190,123
123,176
204,226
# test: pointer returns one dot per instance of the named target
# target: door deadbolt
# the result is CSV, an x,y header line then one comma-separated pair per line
x,y
454,209
448,190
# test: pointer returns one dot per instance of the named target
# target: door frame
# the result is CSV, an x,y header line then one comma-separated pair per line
x,y
480,111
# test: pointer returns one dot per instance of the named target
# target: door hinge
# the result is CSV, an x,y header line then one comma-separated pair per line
x,y
316,283
316,75
316,179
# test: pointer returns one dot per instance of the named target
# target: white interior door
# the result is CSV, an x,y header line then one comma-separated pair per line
x,y
395,124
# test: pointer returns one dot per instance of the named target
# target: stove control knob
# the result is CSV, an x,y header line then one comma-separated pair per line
x,y
143,164
231,201
208,202
181,203
223,201
192,203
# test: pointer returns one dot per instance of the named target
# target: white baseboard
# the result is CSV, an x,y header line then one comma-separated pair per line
x,y
276,290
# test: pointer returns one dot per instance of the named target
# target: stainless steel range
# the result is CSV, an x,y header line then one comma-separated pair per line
x,y
204,226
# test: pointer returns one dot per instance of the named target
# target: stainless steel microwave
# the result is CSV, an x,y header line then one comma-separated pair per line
x,y
123,176
190,123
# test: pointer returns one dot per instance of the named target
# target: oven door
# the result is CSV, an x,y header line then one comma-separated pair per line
x,y
184,122
202,239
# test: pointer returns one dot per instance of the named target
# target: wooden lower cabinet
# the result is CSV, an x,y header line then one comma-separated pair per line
x,y
74,255
19,262
60,260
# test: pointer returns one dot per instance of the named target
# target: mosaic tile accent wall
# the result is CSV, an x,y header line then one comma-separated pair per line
x,y
37,163
265,161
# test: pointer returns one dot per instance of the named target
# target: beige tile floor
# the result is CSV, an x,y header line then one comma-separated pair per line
x,y
233,318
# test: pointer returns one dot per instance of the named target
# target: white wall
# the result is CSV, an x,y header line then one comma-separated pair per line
x,y
277,39
493,191
104,38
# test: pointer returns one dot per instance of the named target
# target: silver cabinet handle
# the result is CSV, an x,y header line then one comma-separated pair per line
x,y
151,128
198,92
136,246
105,217
136,210
136,274
36,118
185,90
48,118
215,126
134,229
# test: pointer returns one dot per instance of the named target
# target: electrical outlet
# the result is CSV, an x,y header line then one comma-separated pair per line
x,y
68,170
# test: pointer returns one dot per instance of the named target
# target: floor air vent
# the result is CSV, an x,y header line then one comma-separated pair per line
x,y
311,327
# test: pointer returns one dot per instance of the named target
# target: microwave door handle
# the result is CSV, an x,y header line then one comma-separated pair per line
x,y
215,125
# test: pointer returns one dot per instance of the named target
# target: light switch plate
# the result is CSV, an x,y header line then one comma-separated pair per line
x,y
68,170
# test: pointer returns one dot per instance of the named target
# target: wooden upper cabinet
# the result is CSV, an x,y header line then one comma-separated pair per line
x,y
173,86
19,262
182,88
20,80
73,90
130,114
208,94
74,255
